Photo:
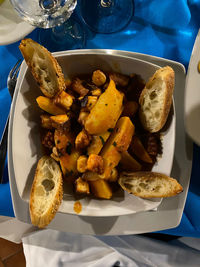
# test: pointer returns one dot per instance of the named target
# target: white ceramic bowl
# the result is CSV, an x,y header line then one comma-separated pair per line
x,y
26,145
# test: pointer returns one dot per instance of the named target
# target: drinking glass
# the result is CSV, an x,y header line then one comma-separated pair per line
x,y
53,15
107,16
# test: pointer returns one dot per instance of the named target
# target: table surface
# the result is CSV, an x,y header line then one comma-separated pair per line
x,y
149,32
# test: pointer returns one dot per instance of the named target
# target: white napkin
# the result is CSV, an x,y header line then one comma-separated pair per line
x,y
53,248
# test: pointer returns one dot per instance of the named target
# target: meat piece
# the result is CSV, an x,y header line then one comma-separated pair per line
x,y
48,140
153,145
78,87
119,79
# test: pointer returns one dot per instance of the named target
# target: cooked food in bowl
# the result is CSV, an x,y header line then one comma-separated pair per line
x,y
94,127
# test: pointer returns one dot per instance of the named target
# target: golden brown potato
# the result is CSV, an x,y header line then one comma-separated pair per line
x,y
82,140
96,92
68,163
106,112
64,141
46,121
82,164
130,108
97,143
101,189
59,120
92,100
128,163
98,77
95,163
83,116
91,176
137,148
82,186
64,100
117,143
47,105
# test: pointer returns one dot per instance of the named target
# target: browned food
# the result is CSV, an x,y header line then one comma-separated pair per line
x,y
44,67
95,164
106,112
78,87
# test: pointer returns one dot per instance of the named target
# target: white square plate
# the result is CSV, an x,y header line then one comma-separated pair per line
x,y
169,212
27,147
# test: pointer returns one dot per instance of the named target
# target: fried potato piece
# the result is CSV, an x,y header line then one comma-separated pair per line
x,y
97,143
106,112
82,164
91,176
98,77
101,189
47,105
64,141
64,100
117,143
68,163
82,186
137,148
83,116
46,121
59,120
128,163
95,163
82,140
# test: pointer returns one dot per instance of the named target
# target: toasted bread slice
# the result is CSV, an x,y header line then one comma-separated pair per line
x,y
46,192
156,99
44,67
149,184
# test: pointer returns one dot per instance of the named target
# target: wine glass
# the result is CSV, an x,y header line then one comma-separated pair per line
x,y
107,16
61,32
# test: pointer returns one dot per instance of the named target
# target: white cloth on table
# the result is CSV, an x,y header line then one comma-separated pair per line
x,y
53,248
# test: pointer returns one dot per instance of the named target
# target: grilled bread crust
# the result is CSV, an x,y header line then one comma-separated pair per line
x,y
44,67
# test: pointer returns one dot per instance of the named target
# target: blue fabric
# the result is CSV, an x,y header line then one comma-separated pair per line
x,y
161,28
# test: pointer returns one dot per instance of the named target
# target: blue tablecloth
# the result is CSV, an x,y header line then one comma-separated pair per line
x,y
161,28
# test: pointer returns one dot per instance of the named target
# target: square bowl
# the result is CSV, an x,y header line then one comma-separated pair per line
x,y
26,142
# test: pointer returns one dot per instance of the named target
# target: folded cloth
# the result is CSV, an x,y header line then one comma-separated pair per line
x,y
53,248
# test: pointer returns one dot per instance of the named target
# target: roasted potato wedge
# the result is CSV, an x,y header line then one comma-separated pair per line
x,y
101,189
64,100
68,163
97,143
128,163
106,111
137,148
48,105
117,143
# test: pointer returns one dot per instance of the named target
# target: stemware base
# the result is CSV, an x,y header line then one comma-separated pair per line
x,y
70,35
107,16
